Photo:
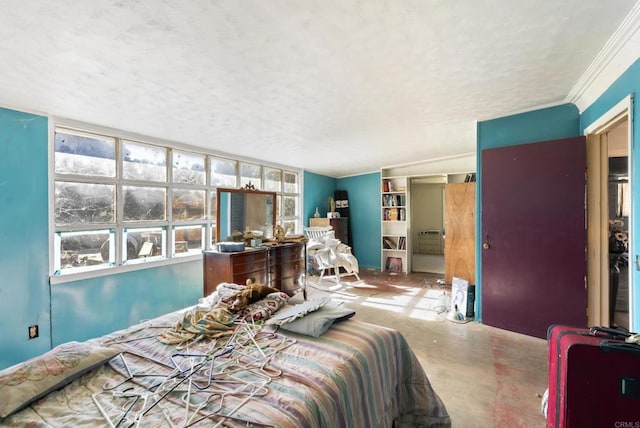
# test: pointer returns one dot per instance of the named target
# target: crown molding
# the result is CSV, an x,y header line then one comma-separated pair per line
x,y
619,53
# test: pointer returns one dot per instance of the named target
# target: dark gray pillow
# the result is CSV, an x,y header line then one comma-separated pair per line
x,y
317,322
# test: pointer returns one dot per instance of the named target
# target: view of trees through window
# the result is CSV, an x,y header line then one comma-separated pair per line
x,y
119,202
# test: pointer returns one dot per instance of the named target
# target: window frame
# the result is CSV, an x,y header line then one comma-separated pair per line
x,y
168,224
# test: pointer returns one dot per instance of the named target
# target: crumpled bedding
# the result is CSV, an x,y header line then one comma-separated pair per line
x,y
211,318
198,323
330,252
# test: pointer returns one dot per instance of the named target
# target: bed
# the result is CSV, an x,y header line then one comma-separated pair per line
x,y
353,374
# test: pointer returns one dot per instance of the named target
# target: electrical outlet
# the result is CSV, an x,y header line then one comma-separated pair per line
x,y
33,331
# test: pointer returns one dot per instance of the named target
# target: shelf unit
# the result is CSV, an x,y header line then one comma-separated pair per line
x,y
394,203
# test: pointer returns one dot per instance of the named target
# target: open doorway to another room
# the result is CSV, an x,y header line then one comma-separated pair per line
x,y
427,223
443,225
619,211
609,216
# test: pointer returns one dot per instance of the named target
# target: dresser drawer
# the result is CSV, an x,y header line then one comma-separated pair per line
x,y
287,266
234,267
257,276
245,263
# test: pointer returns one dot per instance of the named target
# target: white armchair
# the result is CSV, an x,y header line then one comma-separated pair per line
x,y
326,253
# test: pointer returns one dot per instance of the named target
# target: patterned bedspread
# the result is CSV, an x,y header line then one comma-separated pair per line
x,y
355,375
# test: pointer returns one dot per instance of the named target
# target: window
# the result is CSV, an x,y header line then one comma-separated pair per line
x,y
250,175
144,203
144,162
119,202
290,202
84,154
188,168
143,244
224,172
272,179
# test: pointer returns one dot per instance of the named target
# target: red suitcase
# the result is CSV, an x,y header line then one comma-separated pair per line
x,y
594,378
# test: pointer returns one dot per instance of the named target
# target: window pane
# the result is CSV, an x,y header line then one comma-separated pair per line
x,y
142,162
188,204
188,240
77,251
289,227
144,203
188,168
290,182
213,235
84,154
278,209
143,244
214,206
290,206
84,203
250,174
223,173
273,179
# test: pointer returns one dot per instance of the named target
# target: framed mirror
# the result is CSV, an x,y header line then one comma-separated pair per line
x,y
244,209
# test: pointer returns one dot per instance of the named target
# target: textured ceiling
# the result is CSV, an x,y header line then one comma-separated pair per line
x,y
337,87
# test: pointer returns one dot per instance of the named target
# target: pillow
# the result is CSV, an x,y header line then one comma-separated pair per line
x,y
26,382
296,311
264,308
317,322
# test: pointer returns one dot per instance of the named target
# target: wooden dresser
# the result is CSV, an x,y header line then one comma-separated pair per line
x,y
287,267
281,266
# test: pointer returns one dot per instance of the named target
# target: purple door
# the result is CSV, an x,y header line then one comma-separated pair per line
x,y
534,236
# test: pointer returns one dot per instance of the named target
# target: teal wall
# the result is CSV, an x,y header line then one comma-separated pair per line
x,y
84,309
627,84
364,209
24,236
317,190
551,123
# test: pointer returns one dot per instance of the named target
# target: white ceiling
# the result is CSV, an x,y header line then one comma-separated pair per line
x,y
337,87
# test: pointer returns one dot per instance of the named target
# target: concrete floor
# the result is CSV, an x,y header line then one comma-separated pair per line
x,y
486,377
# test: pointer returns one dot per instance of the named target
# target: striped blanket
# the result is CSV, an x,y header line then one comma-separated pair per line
x,y
355,375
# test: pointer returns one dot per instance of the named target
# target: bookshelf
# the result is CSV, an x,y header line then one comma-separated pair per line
x,y
394,203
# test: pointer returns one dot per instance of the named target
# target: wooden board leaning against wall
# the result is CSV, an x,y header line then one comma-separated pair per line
x,y
460,241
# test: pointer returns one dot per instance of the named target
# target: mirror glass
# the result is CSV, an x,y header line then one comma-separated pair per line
x,y
243,209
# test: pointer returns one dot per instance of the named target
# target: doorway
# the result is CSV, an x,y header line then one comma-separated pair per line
x,y
427,224
608,247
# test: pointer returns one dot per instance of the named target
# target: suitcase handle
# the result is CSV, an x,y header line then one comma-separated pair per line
x,y
616,346
609,332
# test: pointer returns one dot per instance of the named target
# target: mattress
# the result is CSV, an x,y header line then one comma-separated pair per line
x,y
355,375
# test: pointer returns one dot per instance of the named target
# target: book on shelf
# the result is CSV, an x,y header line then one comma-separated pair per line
x,y
394,264
389,243
393,214
394,200
402,243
